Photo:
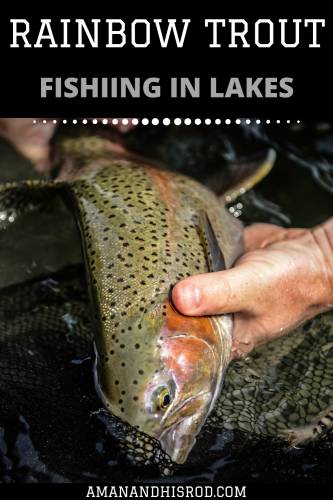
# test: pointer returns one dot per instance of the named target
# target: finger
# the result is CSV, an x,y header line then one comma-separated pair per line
x,y
217,293
256,235
31,138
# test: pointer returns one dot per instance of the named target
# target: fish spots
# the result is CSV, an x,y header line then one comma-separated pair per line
x,y
139,241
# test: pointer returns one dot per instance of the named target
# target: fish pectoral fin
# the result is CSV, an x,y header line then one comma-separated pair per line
x,y
319,428
242,175
214,255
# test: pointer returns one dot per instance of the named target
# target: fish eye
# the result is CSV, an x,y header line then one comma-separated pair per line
x,y
164,398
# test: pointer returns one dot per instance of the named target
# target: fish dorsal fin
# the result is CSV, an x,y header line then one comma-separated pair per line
x,y
213,251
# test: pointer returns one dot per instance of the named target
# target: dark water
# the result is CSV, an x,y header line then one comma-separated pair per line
x,y
51,427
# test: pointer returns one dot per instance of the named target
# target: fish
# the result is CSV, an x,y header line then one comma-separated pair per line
x,y
142,229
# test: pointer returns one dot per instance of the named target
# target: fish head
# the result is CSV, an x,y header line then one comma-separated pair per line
x,y
168,389
194,354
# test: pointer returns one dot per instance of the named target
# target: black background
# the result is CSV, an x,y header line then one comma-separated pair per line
x,y
310,68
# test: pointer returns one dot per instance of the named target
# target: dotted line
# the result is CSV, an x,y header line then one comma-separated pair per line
x,y
167,121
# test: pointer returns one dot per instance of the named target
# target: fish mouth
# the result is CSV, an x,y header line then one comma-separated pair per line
x,y
178,439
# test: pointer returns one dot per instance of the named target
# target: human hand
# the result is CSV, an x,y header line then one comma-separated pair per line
x,y
284,278
32,139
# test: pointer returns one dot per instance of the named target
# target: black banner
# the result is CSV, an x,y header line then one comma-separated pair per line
x,y
224,62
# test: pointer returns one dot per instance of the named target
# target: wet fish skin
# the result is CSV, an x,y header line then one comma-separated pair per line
x,y
142,230
142,233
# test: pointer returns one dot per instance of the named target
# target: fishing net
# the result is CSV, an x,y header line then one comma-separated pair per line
x,y
53,426
51,421
282,385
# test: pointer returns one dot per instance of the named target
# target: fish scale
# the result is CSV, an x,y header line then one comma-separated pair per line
x,y
151,227
142,230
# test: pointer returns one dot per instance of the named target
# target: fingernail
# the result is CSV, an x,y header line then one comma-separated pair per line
x,y
191,296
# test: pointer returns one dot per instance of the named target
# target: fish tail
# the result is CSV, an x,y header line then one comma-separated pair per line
x,y
244,175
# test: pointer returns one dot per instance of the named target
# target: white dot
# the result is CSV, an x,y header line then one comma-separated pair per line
x,y
64,122
227,121
239,206
236,213
217,121
84,122
74,122
125,121
268,121
231,210
95,121
54,121
278,121
166,121
288,121
115,121
177,121
155,121
298,121
208,121
44,121
197,121
145,121
258,122
238,121
34,121
187,121
105,121
135,121
248,122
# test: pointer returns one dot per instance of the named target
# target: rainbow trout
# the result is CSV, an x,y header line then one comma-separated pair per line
x,y
142,230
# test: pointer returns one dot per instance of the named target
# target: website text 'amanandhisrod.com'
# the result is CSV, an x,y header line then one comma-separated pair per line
x,y
166,491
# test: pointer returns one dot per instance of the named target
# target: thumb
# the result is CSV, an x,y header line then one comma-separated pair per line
x,y
217,293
